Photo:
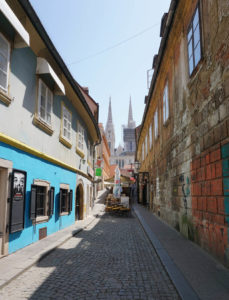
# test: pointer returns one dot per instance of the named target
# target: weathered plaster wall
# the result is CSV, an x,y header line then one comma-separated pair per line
x,y
188,161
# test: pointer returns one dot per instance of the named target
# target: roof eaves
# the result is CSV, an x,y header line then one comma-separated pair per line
x,y
171,13
43,34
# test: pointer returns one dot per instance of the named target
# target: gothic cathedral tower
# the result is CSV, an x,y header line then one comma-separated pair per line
x,y
110,134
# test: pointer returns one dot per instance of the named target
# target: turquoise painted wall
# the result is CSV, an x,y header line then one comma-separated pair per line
x,y
225,167
37,168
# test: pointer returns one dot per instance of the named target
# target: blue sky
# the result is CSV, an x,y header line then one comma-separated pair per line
x,y
108,45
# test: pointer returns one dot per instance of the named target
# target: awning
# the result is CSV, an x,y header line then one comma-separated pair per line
x,y
43,67
12,18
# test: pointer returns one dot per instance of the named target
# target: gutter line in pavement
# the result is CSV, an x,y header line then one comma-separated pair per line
x,y
182,286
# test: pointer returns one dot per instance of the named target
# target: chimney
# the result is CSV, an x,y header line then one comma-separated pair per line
x,y
86,89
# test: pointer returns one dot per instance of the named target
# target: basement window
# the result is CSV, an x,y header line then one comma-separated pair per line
x,y
194,41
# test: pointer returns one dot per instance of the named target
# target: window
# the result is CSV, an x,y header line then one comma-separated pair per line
x,y
166,103
143,155
65,199
42,200
67,123
80,136
66,126
90,152
4,63
146,146
45,99
150,136
194,42
156,123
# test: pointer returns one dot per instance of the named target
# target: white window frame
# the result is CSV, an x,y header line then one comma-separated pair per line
x,y
47,103
7,57
194,46
166,103
150,136
156,123
80,142
143,154
146,146
66,123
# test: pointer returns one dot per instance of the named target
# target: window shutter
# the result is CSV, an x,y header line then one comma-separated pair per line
x,y
60,200
51,200
33,202
70,201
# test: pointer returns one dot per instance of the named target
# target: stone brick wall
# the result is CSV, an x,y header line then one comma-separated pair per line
x,y
188,163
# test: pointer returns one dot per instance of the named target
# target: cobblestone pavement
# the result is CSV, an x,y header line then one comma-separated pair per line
x,y
111,259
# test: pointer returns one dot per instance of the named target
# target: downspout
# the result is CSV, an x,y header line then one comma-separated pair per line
x,y
93,165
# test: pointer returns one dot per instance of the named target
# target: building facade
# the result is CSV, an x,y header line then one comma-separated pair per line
x,y
46,129
103,157
183,144
121,156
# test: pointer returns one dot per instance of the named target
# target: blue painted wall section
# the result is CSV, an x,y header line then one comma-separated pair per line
x,y
37,168
225,167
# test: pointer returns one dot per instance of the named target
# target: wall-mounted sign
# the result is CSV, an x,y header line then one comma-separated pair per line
x,y
90,171
17,205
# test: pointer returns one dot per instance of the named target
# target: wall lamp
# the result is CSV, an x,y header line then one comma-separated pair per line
x,y
82,161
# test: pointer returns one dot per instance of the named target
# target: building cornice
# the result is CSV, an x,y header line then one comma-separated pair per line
x,y
21,146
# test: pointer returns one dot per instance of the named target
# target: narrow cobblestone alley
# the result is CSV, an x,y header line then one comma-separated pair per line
x,y
111,259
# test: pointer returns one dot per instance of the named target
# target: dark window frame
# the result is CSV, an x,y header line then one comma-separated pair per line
x,y
191,41
41,196
64,208
48,194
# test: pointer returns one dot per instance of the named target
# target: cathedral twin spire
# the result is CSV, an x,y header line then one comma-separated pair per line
x,y
110,133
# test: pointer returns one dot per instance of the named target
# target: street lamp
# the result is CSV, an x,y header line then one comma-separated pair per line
x,y
137,165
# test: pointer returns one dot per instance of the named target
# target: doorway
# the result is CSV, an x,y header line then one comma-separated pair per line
x,y
5,169
79,203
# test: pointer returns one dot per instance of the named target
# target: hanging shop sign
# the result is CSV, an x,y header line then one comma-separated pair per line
x,y
98,172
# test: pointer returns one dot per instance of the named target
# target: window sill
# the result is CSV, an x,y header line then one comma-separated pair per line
x,y
80,153
89,163
166,123
195,71
156,138
65,142
5,98
65,213
42,125
41,219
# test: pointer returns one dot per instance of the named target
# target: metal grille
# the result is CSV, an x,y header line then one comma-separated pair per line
x,y
64,200
41,194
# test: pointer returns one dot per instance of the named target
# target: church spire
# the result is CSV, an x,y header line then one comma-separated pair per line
x,y
110,134
130,116
109,119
